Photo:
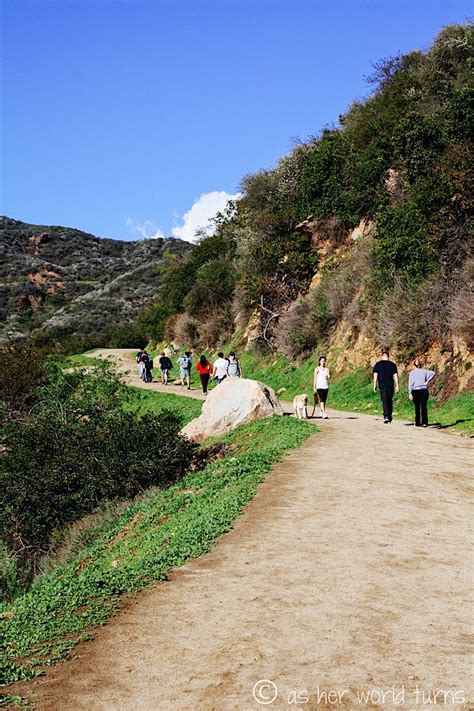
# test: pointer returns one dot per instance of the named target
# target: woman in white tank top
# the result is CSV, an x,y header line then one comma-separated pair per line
x,y
321,385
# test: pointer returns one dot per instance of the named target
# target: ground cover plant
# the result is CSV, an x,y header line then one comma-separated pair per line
x,y
164,529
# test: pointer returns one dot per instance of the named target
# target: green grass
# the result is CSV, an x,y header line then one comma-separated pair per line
x,y
74,361
151,401
150,537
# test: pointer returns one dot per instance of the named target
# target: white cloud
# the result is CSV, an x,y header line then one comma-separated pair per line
x,y
197,218
147,229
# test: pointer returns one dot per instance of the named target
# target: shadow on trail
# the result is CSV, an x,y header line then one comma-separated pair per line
x,y
439,425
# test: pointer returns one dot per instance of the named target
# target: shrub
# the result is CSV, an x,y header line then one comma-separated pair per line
x,y
401,246
183,330
22,370
462,306
76,449
402,320
294,333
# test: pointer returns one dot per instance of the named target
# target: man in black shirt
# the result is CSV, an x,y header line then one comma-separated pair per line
x,y
165,367
386,376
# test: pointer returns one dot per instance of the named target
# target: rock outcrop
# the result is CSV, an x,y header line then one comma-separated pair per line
x,y
234,402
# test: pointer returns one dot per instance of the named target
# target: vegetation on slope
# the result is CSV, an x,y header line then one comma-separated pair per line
x,y
72,440
398,166
59,283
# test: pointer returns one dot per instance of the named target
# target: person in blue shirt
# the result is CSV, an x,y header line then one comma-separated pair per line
x,y
185,363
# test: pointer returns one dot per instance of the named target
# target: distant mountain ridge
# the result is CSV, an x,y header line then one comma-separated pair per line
x,y
65,281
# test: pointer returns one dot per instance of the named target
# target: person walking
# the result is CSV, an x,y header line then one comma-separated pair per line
x,y
418,381
321,385
385,375
165,367
148,368
185,363
220,367
204,368
143,360
139,362
234,369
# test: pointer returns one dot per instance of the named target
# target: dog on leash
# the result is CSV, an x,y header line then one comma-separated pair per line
x,y
300,407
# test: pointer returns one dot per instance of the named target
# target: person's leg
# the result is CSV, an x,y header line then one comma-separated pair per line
x,y
386,395
323,394
417,404
321,403
205,382
424,407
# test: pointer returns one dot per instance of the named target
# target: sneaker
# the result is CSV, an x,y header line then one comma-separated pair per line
x,y
325,417
424,425
320,414
386,421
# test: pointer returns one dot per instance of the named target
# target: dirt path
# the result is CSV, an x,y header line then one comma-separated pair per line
x,y
350,571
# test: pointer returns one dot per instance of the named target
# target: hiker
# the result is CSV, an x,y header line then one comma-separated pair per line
x,y
141,365
165,367
234,369
418,381
204,368
220,367
139,362
185,363
148,368
321,385
385,375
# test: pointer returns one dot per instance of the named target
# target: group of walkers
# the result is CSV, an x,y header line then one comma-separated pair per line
x,y
221,369
385,378
384,373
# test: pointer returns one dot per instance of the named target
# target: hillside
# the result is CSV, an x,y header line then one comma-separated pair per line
x,y
359,238
64,281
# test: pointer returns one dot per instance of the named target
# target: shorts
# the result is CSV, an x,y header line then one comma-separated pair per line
x,y
322,394
184,372
164,371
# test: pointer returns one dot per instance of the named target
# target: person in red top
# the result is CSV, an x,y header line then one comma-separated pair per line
x,y
204,368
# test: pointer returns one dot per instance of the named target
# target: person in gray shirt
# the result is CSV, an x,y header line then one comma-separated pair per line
x,y
418,381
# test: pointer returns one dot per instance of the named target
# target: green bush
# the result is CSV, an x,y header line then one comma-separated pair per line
x,y
75,448
401,246
55,471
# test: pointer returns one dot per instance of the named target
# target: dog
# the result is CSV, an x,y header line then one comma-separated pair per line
x,y
300,407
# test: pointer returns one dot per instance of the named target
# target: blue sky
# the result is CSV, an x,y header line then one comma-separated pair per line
x,y
128,118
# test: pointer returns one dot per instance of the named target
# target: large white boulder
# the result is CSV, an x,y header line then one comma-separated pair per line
x,y
232,403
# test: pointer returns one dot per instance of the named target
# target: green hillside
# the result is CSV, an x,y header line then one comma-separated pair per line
x,y
361,234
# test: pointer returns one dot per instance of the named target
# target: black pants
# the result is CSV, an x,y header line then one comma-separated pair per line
x,y
204,381
386,395
420,401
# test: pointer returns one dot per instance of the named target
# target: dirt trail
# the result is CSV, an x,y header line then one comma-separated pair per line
x,y
350,571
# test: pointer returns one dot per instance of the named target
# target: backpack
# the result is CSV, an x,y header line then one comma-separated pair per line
x,y
234,367
184,362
